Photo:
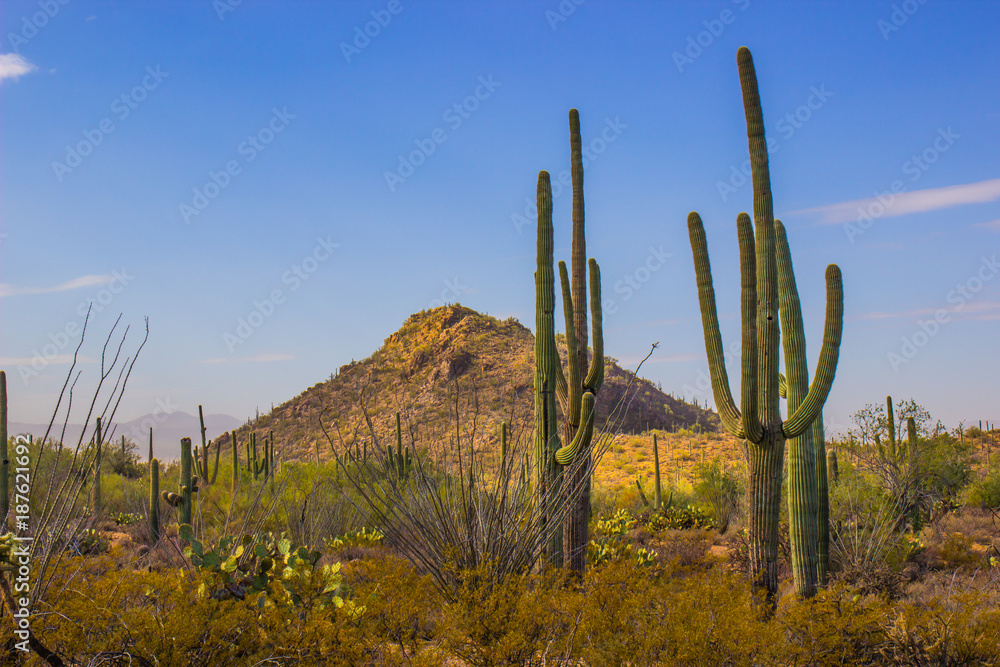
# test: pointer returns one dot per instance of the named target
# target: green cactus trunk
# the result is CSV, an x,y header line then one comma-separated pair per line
x,y
823,503
95,491
202,461
188,483
657,484
4,461
803,491
548,475
759,421
236,462
154,500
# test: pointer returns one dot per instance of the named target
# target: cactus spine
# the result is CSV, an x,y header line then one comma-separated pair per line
x,y
154,500
4,461
759,421
95,491
183,501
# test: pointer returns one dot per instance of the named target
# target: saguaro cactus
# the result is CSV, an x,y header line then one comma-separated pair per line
x,y
95,491
823,500
759,421
657,484
154,500
202,461
183,501
576,390
236,461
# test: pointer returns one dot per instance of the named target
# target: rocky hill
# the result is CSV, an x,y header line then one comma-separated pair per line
x,y
452,373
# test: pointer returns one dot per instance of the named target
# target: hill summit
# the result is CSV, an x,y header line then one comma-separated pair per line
x,y
452,373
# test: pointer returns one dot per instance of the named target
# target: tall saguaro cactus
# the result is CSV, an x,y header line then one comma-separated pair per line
x,y
764,287
576,389
95,491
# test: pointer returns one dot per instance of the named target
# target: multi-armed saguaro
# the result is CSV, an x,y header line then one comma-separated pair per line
x,y
767,291
577,388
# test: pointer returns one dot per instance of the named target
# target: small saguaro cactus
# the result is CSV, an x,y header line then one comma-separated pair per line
x,y
183,501
95,491
236,461
400,461
657,483
154,500
202,460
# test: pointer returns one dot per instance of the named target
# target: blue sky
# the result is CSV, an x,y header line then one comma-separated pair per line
x,y
199,162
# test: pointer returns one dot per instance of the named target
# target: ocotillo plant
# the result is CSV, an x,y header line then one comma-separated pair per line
x,y
183,501
760,421
4,462
95,491
154,500
202,461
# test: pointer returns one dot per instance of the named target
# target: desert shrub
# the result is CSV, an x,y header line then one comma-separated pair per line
x,y
512,621
985,492
679,518
838,626
720,489
697,618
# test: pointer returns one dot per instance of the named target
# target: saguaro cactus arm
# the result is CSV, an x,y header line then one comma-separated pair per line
x,y
730,415
810,408
595,377
574,395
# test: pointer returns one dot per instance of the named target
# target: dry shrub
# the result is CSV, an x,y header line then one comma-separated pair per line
x,y
682,548
693,618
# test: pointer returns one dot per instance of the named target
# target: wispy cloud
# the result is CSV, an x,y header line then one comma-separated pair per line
x,y
6,289
265,358
992,224
57,360
973,310
905,203
13,65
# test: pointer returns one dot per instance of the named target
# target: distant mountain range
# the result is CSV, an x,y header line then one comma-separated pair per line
x,y
167,431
